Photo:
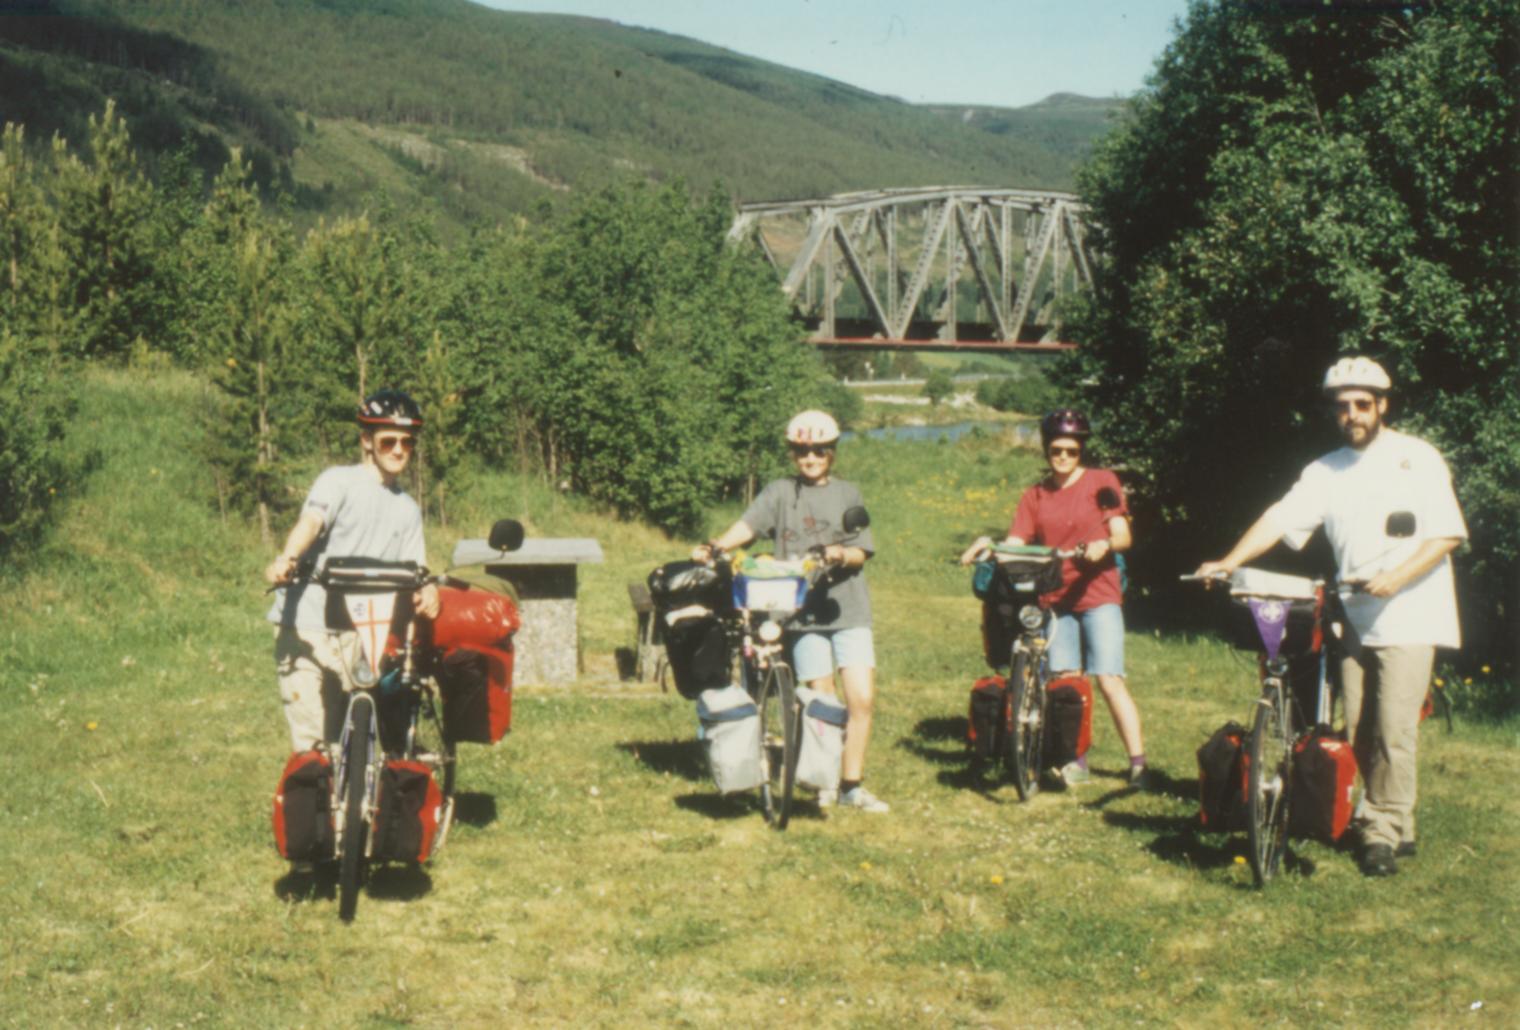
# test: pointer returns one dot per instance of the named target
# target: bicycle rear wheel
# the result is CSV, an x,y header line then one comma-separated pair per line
x,y
780,728
355,780
1024,726
1270,755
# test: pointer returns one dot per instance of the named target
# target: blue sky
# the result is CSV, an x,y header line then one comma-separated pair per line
x,y
1003,52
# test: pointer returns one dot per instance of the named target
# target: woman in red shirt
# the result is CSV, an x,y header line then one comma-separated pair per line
x,y
1073,505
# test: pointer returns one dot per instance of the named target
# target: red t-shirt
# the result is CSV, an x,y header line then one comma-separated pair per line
x,y
1064,518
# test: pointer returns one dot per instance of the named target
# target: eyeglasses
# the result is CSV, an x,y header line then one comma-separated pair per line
x,y
1362,404
816,450
1064,452
403,443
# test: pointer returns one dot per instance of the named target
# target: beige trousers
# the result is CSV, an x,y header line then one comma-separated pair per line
x,y
312,668
1384,688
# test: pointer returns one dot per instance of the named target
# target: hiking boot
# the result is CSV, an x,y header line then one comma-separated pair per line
x,y
1139,777
864,800
828,798
1378,860
1406,849
1073,773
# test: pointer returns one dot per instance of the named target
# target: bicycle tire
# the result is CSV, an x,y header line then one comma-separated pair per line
x,y
1024,728
432,745
1269,751
355,786
780,729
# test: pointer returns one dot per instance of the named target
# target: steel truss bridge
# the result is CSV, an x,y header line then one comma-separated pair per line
x,y
937,268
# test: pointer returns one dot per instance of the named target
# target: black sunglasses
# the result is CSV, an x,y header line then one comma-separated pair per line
x,y
817,450
1064,452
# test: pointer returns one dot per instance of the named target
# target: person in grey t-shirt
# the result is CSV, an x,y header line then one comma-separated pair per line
x,y
351,511
798,513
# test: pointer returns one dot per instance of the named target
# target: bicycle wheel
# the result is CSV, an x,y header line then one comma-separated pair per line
x,y
1024,738
780,726
1270,754
432,746
355,781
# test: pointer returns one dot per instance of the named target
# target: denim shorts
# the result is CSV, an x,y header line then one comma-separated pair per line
x,y
1096,635
816,655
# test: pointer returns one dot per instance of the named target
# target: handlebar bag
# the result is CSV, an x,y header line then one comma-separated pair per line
x,y
680,584
821,747
1015,579
987,722
474,616
1223,769
1068,720
476,687
303,818
408,813
731,735
1324,775
696,651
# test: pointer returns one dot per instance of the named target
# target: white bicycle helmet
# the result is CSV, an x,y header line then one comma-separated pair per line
x,y
813,426
1357,374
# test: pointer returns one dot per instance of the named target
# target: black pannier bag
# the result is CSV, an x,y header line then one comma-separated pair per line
x,y
696,650
1223,769
1068,720
681,584
303,819
986,722
475,684
409,812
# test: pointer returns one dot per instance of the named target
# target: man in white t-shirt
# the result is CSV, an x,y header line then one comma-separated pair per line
x,y
351,511
1386,504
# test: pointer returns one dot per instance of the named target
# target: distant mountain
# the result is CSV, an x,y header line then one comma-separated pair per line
x,y
478,114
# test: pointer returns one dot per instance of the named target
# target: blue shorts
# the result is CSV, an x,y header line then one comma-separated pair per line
x,y
816,655
1096,635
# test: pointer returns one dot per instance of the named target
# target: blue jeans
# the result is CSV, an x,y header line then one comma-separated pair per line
x,y
1096,635
816,655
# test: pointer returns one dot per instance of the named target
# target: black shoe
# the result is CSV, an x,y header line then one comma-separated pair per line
x,y
1378,860
1406,849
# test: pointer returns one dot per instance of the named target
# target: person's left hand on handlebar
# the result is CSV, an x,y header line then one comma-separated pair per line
x,y
835,554
279,571
1384,584
1095,551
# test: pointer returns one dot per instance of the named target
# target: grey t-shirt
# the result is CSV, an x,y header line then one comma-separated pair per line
x,y
798,515
361,517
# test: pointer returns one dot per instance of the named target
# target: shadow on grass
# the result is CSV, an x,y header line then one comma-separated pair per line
x,y
475,809
718,806
682,758
398,882
318,884
940,740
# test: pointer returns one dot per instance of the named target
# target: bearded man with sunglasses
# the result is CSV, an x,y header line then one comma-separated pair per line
x,y
352,511
1407,607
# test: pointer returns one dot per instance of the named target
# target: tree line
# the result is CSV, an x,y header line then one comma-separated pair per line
x,y
619,348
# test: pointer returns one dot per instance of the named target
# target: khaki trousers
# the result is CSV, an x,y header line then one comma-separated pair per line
x,y
1384,688
312,669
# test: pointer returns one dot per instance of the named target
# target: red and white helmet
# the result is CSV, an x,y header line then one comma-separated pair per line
x,y
1357,374
813,427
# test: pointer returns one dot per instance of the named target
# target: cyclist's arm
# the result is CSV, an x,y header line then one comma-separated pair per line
x,y
733,537
1118,540
302,535
1257,541
1427,557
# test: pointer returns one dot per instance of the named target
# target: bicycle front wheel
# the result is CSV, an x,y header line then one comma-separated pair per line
x,y
1270,754
1024,726
780,728
355,779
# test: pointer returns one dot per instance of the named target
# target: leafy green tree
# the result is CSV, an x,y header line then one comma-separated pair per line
x,y
1294,185
938,386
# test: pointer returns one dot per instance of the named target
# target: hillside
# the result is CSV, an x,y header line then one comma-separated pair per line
x,y
476,113
1063,123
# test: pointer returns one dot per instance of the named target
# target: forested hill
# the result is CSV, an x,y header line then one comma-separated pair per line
x,y
479,112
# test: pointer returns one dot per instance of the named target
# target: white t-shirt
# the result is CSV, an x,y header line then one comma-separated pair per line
x,y
1351,493
361,518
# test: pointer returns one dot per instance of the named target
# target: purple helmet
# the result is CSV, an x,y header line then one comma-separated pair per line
x,y
1064,422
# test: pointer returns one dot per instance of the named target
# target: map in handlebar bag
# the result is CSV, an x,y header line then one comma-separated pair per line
x,y
371,616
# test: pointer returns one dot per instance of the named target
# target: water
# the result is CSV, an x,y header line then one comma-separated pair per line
x,y
1026,432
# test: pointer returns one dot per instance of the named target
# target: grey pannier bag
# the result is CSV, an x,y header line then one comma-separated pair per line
x,y
731,734
822,744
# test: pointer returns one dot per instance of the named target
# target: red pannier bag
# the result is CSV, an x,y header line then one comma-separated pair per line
x,y
408,812
473,632
303,819
1223,772
986,720
1068,720
1324,776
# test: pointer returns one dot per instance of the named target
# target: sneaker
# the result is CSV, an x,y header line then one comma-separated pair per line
x,y
828,798
1378,860
1406,849
864,800
1139,777
1073,773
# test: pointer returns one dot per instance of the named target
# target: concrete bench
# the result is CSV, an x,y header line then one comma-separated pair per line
x,y
649,648
543,575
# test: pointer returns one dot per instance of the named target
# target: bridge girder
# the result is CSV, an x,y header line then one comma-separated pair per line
x,y
866,242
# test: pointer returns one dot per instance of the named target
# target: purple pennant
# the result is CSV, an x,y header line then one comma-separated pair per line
x,y
1271,623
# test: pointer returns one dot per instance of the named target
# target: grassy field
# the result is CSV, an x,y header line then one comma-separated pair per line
x,y
595,879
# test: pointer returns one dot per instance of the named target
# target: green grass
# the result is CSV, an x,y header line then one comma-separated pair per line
x,y
596,880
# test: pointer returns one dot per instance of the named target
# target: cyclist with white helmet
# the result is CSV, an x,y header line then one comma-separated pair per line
x,y
1408,605
800,512
352,511
1071,506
